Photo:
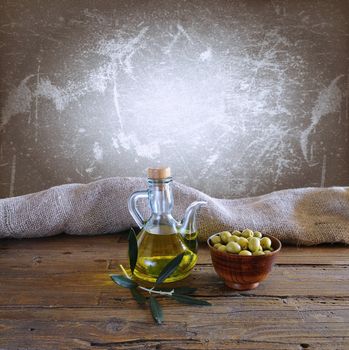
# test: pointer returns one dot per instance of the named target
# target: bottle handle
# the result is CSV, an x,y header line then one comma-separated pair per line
x,y
132,206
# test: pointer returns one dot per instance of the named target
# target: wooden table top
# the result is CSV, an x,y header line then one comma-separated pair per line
x,y
56,293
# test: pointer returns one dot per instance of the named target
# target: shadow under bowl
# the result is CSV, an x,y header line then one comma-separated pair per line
x,y
243,272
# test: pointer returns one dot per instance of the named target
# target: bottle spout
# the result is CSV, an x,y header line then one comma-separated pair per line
x,y
188,224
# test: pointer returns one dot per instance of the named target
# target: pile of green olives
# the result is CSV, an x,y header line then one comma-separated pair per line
x,y
247,242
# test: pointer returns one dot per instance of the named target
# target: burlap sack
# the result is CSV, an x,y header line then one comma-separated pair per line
x,y
306,216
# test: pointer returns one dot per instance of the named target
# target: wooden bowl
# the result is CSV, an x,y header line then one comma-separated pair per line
x,y
243,272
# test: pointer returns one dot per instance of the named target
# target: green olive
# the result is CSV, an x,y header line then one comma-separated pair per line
x,y
243,242
233,238
265,242
233,247
225,236
247,233
245,252
254,244
236,233
215,239
222,248
258,252
266,252
217,245
257,234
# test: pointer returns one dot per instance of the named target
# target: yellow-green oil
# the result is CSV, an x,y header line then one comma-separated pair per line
x,y
156,250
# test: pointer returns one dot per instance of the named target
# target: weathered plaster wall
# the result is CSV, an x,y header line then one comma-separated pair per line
x,y
238,97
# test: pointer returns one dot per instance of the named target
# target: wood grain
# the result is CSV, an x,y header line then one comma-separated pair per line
x,y
56,293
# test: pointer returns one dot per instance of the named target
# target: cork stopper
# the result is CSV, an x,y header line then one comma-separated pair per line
x,y
159,173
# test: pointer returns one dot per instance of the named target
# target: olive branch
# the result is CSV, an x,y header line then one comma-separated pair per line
x,y
178,294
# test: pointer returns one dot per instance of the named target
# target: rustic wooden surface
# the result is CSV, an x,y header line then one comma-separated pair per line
x,y
55,293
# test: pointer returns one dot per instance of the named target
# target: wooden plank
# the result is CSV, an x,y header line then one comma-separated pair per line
x,y
63,241
322,255
70,260
85,288
100,253
244,323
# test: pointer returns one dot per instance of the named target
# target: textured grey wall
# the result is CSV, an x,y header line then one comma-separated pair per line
x,y
238,97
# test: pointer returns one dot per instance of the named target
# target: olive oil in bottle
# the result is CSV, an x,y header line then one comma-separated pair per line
x,y
156,251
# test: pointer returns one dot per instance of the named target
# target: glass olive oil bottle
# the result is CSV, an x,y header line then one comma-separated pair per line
x,y
162,238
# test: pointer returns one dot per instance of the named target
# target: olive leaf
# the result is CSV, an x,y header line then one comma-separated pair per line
x,y
185,299
156,310
123,281
132,249
169,268
140,298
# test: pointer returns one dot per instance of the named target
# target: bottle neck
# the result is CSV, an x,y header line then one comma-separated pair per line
x,y
160,196
161,204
